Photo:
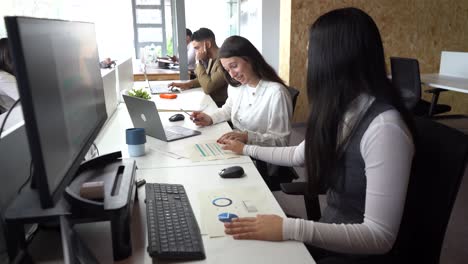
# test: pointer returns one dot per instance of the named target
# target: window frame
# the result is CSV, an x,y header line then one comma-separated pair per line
x,y
138,45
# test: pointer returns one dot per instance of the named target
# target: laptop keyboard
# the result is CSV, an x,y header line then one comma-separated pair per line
x,y
177,131
162,88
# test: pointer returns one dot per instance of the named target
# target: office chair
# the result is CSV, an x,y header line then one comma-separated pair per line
x,y
437,171
294,93
438,168
281,174
406,77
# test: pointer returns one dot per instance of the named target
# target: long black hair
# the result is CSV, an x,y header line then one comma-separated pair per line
x,y
6,64
237,46
345,59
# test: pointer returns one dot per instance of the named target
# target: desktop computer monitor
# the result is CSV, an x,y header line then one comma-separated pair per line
x,y
125,73
57,70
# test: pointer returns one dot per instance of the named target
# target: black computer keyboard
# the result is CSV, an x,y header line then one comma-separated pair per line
x,y
173,232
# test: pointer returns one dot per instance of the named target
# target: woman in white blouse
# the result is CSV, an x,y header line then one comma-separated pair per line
x,y
258,104
8,91
358,146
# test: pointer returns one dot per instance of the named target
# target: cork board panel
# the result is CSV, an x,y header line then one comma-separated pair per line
x,y
418,29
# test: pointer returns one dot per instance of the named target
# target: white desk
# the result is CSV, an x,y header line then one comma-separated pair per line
x,y
189,100
112,136
195,176
451,83
218,250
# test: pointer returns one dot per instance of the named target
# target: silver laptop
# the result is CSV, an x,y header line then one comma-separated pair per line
x,y
144,114
159,88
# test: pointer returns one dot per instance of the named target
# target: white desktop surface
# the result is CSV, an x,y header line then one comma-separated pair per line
x,y
451,83
112,138
218,250
196,177
189,100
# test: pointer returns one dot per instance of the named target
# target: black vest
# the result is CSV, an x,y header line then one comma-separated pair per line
x,y
346,201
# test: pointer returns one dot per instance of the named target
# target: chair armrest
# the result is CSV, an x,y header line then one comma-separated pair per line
x,y
435,90
294,188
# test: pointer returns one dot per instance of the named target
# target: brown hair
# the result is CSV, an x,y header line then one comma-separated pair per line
x,y
237,46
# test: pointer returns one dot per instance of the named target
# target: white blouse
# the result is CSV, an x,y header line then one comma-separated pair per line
x,y
387,149
8,89
264,112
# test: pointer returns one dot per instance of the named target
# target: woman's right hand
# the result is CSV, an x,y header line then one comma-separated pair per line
x,y
201,119
262,227
182,86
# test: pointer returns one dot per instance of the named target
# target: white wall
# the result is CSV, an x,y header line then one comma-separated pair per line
x,y
212,14
271,31
250,22
259,22
113,19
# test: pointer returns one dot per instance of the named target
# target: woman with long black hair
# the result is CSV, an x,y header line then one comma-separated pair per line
x,y
358,145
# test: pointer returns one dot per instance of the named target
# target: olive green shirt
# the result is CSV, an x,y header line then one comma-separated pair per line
x,y
212,81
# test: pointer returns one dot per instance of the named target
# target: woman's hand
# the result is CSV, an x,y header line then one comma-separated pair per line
x,y
234,146
234,135
262,227
182,86
201,119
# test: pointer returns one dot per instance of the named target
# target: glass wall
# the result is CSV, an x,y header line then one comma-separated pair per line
x,y
223,18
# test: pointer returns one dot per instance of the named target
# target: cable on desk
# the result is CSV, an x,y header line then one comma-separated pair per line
x,y
31,168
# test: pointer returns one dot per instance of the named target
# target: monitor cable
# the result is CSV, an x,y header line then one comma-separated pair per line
x,y
31,168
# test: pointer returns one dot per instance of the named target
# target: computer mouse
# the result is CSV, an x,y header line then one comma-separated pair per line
x,y
176,117
232,172
226,217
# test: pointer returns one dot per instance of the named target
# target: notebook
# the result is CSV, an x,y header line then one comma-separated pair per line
x,y
159,88
144,114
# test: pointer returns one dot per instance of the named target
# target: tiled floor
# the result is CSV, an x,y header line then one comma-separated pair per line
x,y
456,238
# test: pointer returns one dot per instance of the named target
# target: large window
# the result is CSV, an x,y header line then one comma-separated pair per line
x,y
223,18
152,29
154,23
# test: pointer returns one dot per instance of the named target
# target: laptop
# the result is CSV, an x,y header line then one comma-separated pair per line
x,y
144,114
160,88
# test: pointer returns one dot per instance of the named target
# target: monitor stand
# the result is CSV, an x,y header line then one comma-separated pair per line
x,y
74,250
120,193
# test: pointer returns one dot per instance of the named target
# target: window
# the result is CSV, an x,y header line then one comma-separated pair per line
x,y
151,20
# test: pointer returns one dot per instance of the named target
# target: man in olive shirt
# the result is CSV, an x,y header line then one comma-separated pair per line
x,y
209,70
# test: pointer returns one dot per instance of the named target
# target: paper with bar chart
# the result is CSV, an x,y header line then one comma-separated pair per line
x,y
205,151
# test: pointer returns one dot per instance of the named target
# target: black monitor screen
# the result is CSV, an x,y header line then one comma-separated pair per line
x,y
59,81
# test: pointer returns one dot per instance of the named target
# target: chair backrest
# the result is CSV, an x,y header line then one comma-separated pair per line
x,y
437,171
454,64
294,94
405,77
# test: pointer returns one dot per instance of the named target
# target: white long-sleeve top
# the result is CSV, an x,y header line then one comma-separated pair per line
x,y
264,112
8,90
387,149
190,56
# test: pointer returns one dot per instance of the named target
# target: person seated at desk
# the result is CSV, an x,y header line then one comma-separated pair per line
x,y
358,146
8,89
258,104
190,51
209,71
